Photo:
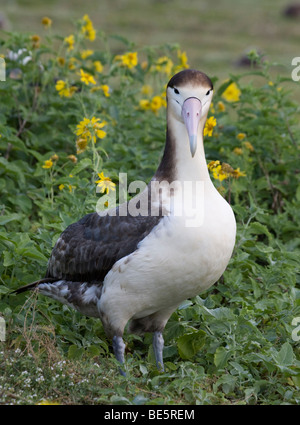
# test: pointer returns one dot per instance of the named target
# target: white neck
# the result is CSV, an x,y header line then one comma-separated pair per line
x,y
188,168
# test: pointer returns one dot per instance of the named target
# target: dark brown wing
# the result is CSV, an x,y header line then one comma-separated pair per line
x,y
88,249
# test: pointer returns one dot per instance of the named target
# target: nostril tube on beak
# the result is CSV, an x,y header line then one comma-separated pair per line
x,y
191,114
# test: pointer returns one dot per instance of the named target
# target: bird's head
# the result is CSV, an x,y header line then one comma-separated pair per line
x,y
189,95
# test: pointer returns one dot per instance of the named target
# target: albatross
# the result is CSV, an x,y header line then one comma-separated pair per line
x,y
138,262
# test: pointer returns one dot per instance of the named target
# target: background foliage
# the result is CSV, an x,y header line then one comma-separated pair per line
x,y
232,344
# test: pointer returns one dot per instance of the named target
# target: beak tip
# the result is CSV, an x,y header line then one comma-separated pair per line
x,y
193,145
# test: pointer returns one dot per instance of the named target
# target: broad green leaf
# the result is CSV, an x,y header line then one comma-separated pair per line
x,y
4,219
8,259
188,345
81,165
75,352
93,351
285,357
221,357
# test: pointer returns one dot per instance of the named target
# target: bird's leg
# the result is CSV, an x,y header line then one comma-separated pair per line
x,y
119,349
158,345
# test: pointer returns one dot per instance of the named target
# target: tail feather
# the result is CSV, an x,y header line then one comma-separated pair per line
x,y
82,296
33,285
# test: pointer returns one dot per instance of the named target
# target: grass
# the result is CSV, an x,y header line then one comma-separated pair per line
x,y
214,36
234,344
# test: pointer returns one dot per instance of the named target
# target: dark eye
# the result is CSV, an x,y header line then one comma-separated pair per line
x,y
208,92
176,91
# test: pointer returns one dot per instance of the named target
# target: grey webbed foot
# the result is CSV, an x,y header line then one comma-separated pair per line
x,y
119,349
158,345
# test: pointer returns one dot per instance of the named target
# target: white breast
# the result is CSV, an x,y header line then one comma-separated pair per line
x,y
173,262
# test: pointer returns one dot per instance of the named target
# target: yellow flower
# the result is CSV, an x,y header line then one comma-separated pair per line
x,y
270,83
70,41
63,89
232,93
95,88
219,174
83,129
46,403
86,127
130,59
71,187
35,41
72,158
209,126
87,29
248,146
98,66
61,61
164,64
238,151
220,106
212,164
156,103
183,59
47,164
97,127
144,65
105,89
146,90
71,64
241,136
60,85
86,78
35,38
105,183
47,22
238,173
54,157
86,53
145,104
72,89
61,186
224,170
227,169
81,145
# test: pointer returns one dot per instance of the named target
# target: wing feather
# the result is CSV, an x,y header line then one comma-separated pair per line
x,y
88,249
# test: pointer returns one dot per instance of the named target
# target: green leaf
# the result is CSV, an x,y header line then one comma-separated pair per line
x,y
285,357
228,383
33,253
8,259
221,357
4,219
189,344
117,399
81,165
75,352
259,228
296,380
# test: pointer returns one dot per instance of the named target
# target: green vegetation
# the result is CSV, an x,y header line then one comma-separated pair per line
x,y
215,35
75,111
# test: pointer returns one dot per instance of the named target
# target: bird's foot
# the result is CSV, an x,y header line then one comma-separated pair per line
x,y
119,350
158,345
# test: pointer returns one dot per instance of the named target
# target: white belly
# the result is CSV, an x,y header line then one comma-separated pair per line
x,y
172,263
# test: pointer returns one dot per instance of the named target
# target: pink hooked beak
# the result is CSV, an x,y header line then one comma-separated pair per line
x,y
191,114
